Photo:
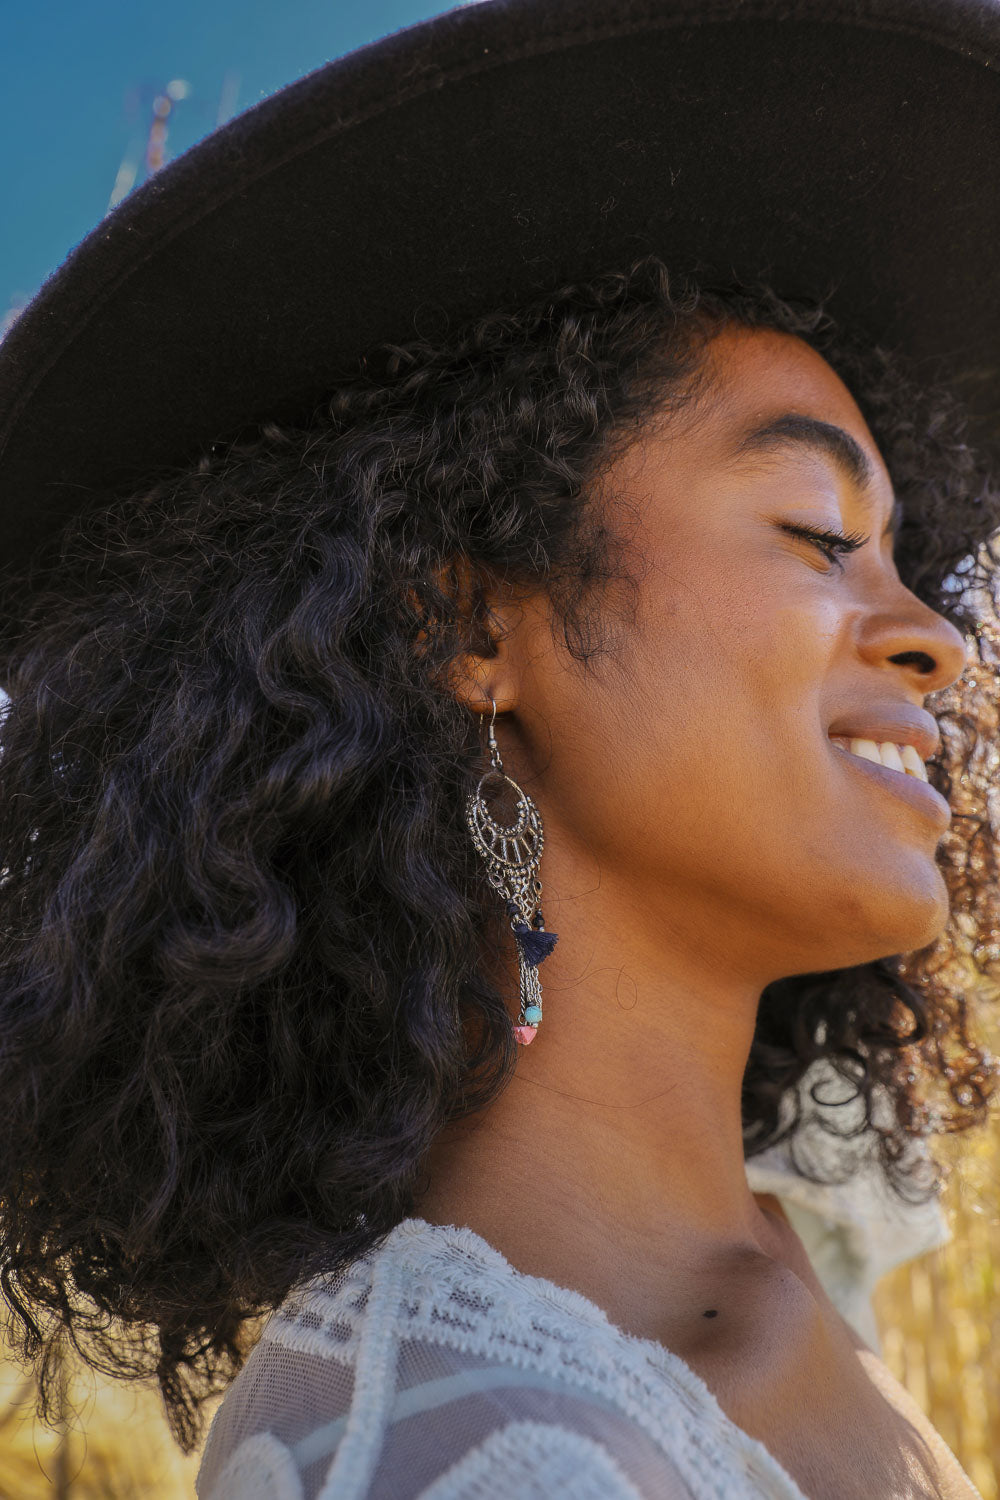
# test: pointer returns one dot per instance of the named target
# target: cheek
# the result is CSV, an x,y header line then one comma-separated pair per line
x,y
649,735
713,693
737,669
714,741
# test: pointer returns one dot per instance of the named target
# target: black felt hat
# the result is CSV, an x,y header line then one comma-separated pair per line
x,y
478,158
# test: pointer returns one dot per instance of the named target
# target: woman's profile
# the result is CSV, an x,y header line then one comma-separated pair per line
x,y
495,716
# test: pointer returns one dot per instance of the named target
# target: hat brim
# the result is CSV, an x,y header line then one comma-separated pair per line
x,y
466,164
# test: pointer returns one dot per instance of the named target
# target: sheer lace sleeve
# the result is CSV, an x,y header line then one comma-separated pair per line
x,y
432,1369
456,1427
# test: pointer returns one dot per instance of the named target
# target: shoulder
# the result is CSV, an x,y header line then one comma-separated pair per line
x,y
522,1459
535,1460
431,1366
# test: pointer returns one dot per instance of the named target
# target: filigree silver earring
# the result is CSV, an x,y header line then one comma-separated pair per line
x,y
512,853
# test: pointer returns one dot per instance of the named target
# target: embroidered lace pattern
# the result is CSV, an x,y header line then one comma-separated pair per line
x,y
432,1368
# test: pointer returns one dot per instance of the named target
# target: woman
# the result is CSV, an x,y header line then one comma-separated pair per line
x,y
673,567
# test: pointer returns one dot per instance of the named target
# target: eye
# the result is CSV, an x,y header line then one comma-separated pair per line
x,y
832,544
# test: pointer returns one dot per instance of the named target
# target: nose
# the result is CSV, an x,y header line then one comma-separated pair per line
x,y
913,636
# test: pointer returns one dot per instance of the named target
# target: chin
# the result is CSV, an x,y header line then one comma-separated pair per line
x,y
916,927
884,915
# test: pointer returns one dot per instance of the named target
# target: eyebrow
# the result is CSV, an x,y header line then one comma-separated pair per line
x,y
794,430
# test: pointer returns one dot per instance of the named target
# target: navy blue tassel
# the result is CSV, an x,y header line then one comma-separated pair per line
x,y
534,945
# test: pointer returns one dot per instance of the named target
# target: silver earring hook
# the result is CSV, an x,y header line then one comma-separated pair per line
x,y
491,740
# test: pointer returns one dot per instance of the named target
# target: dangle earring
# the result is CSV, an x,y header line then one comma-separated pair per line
x,y
512,853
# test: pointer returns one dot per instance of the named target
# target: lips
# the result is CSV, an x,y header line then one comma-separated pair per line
x,y
911,726
896,756
919,794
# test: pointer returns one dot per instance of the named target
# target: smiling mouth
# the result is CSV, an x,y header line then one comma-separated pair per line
x,y
902,758
904,779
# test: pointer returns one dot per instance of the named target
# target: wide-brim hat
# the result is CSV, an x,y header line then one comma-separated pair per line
x,y
849,148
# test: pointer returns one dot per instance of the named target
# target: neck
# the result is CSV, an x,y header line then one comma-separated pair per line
x,y
620,1134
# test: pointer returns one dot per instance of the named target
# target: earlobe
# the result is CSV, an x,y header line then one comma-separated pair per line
x,y
477,682
485,675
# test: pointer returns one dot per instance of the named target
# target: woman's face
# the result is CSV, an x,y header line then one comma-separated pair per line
x,y
698,780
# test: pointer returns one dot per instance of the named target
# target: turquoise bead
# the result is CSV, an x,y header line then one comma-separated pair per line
x,y
532,1014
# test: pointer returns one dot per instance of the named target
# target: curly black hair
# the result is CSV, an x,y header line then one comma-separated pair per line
x,y
244,939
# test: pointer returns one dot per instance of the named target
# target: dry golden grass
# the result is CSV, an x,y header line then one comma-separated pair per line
x,y
116,1446
939,1316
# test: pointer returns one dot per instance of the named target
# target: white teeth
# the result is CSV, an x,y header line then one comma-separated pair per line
x,y
867,749
913,763
897,757
891,756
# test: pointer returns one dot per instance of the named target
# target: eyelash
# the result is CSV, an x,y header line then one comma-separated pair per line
x,y
830,543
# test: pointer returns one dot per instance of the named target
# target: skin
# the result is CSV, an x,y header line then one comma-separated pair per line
x,y
702,838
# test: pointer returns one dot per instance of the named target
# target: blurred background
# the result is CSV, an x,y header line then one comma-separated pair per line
x,y
97,98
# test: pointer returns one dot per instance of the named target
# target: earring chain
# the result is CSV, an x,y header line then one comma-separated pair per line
x,y
512,853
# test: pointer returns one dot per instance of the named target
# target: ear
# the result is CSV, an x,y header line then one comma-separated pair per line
x,y
489,673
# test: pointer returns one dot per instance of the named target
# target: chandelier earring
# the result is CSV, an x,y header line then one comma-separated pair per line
x,y
512,853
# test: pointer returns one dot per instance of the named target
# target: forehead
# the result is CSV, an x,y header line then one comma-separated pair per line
x,y
757,377
766,361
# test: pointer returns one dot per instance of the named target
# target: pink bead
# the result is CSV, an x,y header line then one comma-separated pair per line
x,y
525,1034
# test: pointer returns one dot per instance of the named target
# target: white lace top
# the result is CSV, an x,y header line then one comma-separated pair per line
x,y
432,1369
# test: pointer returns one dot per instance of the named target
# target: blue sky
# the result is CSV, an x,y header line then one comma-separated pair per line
x,y
80,81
